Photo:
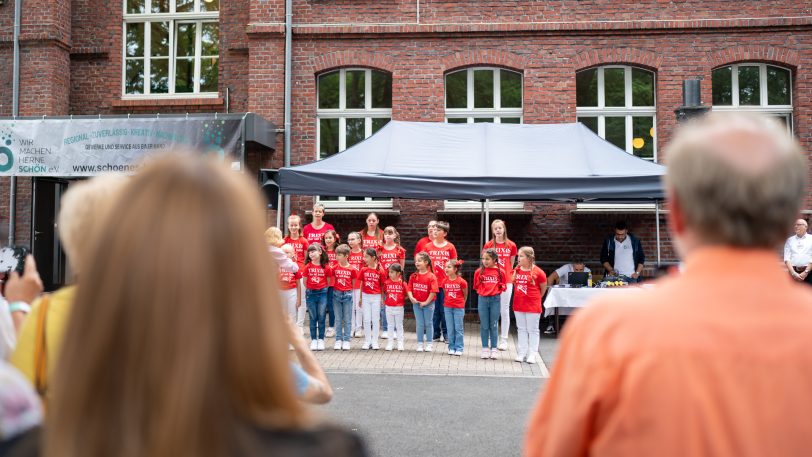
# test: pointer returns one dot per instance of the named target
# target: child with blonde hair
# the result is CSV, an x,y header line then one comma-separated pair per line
x,y
530,283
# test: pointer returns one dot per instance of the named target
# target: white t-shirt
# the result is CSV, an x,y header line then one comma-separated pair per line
x,y
798,250
8,335
564,273
624,257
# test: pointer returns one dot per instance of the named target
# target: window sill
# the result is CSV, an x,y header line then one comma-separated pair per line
x,y
472,210
627,208
161,101
378,211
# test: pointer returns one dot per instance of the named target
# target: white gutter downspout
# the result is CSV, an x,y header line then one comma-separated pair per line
x,y
15,111
288,73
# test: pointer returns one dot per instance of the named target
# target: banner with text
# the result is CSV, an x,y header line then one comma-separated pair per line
x,y
88,147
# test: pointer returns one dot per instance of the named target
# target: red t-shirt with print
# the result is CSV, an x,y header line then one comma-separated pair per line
x,y
314,235
372,280
389,256
526,293
300,246
505,251
395,292
422,284
439,257
489,281
356,259
455,292
421,245
343,277
331,256
370,241
288,279
316,276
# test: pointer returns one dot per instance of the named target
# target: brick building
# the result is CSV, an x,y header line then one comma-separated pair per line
x,y
618,67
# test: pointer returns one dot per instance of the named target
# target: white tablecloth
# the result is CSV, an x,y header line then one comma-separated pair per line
x,y
567,300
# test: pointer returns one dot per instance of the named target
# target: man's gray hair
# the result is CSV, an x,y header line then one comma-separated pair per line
x,y
739,178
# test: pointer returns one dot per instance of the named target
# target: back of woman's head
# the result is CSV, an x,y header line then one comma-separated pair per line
x,y
176,335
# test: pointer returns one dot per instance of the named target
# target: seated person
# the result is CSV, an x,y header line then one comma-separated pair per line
x,y
622,254
561,275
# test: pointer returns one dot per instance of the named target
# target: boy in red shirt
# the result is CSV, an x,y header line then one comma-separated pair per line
x,y
456,294
394,297
489,283
344,275
441,251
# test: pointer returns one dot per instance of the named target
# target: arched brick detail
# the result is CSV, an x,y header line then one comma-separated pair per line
x,y
606,56
758,53
489,57
350,58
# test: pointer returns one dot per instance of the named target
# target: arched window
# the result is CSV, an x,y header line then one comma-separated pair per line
x,y
353,103
754,87
483,94
618,103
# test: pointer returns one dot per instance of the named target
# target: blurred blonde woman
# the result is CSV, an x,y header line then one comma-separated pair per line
x,y
178,344
274,240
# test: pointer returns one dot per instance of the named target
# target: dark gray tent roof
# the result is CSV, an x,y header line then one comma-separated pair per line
x,y
431,160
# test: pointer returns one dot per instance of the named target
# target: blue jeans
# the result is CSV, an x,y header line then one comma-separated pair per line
x,y
422,317
454,322
316,300
439,317
331,315
342,303
488,308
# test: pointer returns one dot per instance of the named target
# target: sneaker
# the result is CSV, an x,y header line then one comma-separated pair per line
x,y
437,339
419,347
519,358
358,333
345,346
494,354
429,347
550,330
314,345
365,346
450,352
337,346
400,345
320,345
458,353
485,354
531,358
331,332
375,346
442,339
390,346
385,335
502,345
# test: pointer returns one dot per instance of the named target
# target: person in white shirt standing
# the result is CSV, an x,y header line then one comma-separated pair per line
x,y
622,253
798,253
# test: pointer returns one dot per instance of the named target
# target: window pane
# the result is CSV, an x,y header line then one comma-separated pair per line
x,y
210,39
479,120
614,86
778,86
328,91
355,89
483,88
590,122
749,86
328,137
616,131
456,89
136,6
723,86
457,120
159,40
355,131
210,5
185,39
510,120
184,6
378,123
208,74
159,76
184,75
135,39
642,88
354,199
332,199
586,88
134,83
643,139
381,90
160,6
510,89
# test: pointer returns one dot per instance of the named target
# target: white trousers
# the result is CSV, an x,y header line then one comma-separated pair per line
x,y
528,326
371,307
300,315
504,308
288,298
394,321
357,314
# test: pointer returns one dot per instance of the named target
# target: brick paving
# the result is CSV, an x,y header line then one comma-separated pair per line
x,y
438,362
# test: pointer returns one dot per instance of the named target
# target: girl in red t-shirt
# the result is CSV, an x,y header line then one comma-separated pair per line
x,y
421,291
372,278
315,230
489,282
506,250
357,260
456,294
290,289
316,274
530,283
330,241
394,296
372,235
390,253
300,245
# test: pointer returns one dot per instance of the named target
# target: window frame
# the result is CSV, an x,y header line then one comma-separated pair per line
x,y
174,19
342,114
629,111
764,107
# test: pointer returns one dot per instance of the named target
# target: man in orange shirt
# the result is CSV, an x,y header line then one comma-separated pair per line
x,y
716,361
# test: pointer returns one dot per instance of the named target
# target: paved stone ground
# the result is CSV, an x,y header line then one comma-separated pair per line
x,y
437,362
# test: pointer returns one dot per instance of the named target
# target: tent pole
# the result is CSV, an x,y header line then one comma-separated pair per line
x,y
481,222
657,224
279,210
487,227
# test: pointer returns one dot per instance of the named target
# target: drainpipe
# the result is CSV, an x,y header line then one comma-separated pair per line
x,y
15,111
288,72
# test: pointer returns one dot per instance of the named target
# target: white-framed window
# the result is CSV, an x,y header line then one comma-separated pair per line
x,y
352,104
171,48
755,87
483,94
618,103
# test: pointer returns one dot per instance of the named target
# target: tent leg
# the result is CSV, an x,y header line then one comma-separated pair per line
x,y
487,220
481,222
657,224
279,211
